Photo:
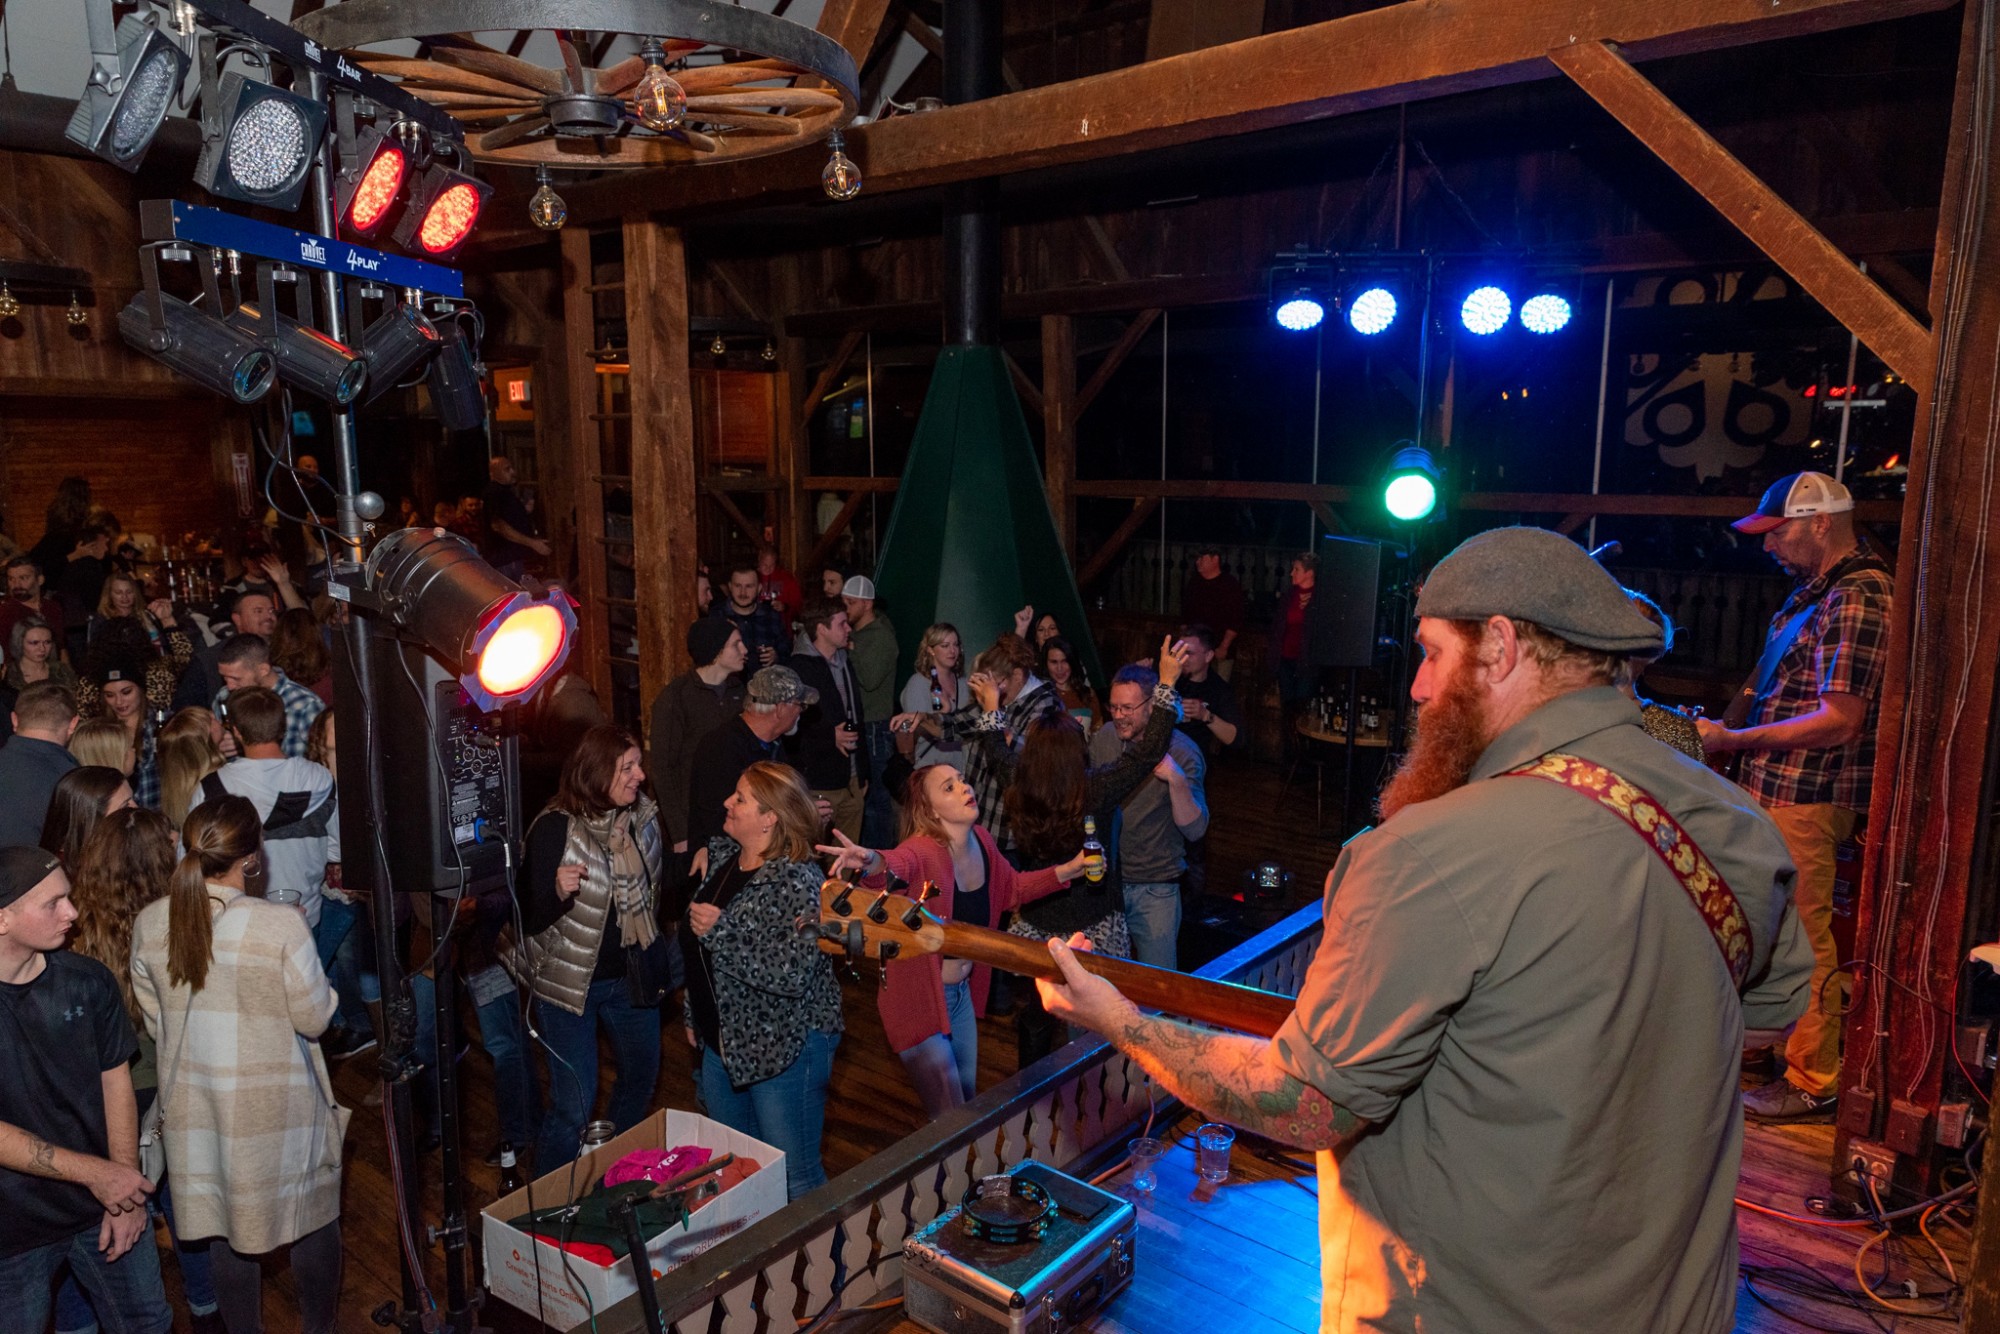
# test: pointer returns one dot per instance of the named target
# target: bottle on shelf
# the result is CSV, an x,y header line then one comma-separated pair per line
x,y
1093,851
511,1179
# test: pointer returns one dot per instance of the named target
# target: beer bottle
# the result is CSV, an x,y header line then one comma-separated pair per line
x,y
1093,851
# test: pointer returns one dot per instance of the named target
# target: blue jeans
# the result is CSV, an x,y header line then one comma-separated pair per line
x,y
945,1066
786,1111
1153,916
572,1042
126,1293
341,935
878,814
505,1040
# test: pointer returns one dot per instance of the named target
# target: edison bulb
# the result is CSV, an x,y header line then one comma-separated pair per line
x,y
841,179
10,305
770,353
76,314
718,347
546,208
659,99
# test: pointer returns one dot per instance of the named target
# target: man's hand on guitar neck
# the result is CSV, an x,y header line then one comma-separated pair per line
x,y
1227,1076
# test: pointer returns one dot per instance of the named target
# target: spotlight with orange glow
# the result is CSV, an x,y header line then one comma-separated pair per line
x,y
502,641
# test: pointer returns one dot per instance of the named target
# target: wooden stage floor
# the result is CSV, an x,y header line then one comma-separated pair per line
x,y
1255,1238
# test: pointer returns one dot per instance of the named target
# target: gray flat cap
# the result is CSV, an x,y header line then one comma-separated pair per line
x,y
1535,575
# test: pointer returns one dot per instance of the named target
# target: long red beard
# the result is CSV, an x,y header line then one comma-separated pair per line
x,y
1451,735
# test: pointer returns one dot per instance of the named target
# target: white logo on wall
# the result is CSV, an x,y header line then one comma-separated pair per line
x,y
1704,409
356,261
311,251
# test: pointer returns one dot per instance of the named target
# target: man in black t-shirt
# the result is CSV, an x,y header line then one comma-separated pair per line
x,y
71,1194
510,529
1214,722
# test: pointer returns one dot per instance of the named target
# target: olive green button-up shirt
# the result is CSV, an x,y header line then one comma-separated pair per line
x,y
1520,996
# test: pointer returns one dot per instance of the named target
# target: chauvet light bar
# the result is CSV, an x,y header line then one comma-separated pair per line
x,y
172,220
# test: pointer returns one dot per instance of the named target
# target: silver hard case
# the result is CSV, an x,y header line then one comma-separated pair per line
x,y
955,1284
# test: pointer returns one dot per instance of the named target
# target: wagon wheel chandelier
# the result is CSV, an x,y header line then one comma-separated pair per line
x,y
711,82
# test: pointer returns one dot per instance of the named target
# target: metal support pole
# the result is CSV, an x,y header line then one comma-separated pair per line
x,y
1603,403
360,783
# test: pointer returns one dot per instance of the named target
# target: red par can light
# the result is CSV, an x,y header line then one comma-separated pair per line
x,y
371,184
444,207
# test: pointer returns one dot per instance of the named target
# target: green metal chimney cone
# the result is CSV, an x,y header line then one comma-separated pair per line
x,y
971,539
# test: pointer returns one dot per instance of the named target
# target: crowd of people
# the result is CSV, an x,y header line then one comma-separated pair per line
x,y
168,802
180,962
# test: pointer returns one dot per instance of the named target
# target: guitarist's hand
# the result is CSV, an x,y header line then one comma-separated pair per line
x,y
1081,997
1715,738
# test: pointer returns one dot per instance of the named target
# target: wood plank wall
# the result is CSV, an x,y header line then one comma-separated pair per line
x,y
77,400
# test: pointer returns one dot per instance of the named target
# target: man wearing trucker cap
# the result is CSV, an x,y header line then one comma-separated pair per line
x,y
1805,725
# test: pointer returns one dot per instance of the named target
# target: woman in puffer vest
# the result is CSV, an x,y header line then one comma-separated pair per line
x,y
763,1006
590,903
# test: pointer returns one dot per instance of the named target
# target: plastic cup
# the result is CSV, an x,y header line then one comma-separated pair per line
x,y
290,898
1145,1151
1212,1144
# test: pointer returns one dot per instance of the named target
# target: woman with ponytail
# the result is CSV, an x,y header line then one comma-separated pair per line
x,y
229,985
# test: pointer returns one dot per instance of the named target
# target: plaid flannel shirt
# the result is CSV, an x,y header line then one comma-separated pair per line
x,y
1843,648
301,707
1002,727
146,772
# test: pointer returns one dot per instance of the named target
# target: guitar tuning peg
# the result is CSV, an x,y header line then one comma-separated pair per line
x,y
843,904
897,884
878,911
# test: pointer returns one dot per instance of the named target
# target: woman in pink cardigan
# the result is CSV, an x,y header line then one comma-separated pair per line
x,y
931,1004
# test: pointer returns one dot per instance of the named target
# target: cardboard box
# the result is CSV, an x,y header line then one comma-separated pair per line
x,y
572,1287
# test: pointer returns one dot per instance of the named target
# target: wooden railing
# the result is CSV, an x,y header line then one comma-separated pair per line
x,y
842,1245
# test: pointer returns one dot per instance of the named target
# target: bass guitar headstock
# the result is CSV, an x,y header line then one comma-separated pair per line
x,y
877,923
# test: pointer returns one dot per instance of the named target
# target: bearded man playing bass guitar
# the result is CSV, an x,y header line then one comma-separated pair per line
x,y
1517,1047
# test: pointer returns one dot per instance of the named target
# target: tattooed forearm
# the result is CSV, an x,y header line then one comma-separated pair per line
x,y
1233,1079
41,1156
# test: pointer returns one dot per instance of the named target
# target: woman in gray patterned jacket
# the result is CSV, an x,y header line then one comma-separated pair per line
x,y
763,1006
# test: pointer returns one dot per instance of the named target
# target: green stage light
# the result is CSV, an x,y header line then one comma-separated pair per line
x,y
1410,486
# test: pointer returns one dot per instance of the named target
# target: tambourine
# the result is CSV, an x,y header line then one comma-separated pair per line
x,y
1007,1210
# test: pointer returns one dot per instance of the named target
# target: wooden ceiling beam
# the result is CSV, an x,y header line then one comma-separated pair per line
x,y
854,24
1739,195
1399,53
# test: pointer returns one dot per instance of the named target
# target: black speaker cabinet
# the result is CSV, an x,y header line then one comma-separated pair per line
x,y
1347,595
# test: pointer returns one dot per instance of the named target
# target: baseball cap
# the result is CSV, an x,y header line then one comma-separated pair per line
x,y
1796,497
780,685
860,586
21,869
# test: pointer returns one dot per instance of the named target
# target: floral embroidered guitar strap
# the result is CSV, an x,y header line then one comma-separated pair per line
x,y
1705,886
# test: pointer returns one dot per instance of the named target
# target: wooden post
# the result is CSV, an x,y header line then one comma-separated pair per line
x,y
794,440
584,461
1929,800
1059,425
663,486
